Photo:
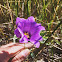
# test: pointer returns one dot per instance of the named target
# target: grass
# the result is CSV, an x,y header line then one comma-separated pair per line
x,y
46,12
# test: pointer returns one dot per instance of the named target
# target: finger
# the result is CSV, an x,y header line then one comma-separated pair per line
x,y
20,60
15,47
26,45
8,53
18,47
11,49
22,55
29,45
10,44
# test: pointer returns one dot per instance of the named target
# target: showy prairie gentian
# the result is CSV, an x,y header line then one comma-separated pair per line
x,y
28,30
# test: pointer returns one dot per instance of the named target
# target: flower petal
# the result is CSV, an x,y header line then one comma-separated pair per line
x,y
21,25
32,28
42,28
18,32
23,40
31,18
36,36
18,20
37,28
35,32
36,43
27,25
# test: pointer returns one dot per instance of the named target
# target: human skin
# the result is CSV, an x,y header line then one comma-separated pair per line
x,y
16,50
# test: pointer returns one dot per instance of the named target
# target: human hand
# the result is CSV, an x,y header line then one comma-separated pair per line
x,y
16,50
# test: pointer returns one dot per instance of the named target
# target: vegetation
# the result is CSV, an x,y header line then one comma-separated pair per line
x,y
46,12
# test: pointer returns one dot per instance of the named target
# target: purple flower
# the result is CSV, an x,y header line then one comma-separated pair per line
x,y
28,30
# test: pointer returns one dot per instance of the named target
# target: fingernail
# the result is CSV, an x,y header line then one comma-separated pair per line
x,y
25,52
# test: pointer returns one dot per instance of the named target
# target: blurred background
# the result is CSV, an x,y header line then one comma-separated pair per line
x,y
46,12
